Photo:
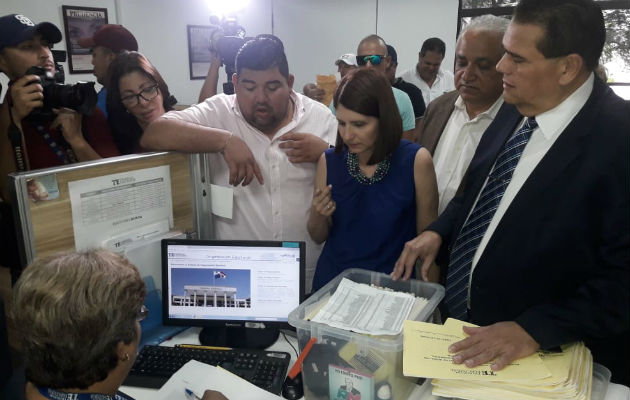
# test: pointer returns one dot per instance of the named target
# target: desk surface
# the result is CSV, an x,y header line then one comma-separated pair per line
x,y
420,392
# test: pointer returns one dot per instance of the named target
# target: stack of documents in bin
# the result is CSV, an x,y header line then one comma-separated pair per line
x,y
544,375
366,309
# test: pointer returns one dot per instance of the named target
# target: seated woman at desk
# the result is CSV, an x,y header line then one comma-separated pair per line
x,y
373,191
137,95
78,319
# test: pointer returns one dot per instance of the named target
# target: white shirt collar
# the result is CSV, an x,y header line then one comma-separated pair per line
x,y
491,112
552,121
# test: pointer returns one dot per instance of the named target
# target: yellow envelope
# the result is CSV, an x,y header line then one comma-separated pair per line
x,y
425,354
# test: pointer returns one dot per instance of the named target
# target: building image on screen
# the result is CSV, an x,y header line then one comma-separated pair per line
x,y
239,291
211,288
224,281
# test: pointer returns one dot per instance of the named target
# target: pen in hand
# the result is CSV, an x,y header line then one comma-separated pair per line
x,y
208,394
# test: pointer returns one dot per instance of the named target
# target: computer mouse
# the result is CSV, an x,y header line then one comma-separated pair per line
x,y
293,389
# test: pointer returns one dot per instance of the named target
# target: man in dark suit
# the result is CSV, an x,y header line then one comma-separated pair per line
x,y
538,244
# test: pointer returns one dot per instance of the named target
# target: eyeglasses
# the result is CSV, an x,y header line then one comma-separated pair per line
x,y
148,94
374,59
142,314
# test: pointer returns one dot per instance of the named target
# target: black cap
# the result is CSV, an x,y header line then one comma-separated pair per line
x,y
391,52
16,28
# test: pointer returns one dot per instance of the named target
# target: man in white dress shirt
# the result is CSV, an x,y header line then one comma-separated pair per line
x,y
284,131
428,75
454,123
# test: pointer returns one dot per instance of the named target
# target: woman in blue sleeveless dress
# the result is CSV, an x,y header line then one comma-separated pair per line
x,y
373,191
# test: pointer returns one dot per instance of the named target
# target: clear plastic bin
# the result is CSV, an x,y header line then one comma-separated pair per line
x,y
342,363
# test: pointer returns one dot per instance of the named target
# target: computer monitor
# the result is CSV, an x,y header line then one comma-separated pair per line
x,y
240,292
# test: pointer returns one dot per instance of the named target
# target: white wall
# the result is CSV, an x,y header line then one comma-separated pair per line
x,y
405,24
162,37
314,32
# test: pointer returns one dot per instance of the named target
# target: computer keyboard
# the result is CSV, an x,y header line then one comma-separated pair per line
x,y
155,365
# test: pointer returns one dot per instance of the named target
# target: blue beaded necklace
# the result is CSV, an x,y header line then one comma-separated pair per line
x,y
382,168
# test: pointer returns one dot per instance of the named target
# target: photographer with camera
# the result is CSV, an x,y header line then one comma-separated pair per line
x,y
39,123
36,110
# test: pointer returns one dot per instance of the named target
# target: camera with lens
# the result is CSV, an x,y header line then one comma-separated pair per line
x,y
80,97
226,39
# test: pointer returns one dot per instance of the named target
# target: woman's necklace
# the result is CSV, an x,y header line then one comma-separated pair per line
x,y
353,169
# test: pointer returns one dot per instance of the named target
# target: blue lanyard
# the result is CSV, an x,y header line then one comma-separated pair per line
x,y
53,394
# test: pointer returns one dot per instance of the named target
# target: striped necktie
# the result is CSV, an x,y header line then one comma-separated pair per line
x,y
477,223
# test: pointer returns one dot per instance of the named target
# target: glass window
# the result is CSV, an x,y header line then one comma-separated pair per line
x,y
616,55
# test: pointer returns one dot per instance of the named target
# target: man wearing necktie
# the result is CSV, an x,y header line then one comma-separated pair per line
x,y
538,244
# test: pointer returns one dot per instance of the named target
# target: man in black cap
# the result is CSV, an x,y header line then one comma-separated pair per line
x,y
106,43
415,94
26,144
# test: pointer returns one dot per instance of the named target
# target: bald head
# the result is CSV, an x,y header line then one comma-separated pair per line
x,y
373,45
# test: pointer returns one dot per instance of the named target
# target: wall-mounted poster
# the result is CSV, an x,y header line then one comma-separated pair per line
x,y
199,45
81,22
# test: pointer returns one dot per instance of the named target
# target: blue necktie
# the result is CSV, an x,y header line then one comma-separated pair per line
x,y
477,223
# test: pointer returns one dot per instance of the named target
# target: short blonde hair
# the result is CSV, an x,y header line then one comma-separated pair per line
x,y
71,311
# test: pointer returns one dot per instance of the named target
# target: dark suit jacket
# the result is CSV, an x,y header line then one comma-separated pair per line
x,y
558,262
435,118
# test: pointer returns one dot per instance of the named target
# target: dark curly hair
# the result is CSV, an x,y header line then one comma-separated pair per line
x,y
262,53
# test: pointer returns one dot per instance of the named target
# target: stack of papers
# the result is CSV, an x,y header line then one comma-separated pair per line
x,y
543,375
365,309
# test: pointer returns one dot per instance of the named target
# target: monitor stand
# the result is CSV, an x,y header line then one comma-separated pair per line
x,y
238,337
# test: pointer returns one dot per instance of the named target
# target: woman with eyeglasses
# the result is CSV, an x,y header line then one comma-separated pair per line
x,y
373,191
77,317
136,96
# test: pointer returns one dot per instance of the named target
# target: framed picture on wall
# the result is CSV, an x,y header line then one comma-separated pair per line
x,y
81,22
199,44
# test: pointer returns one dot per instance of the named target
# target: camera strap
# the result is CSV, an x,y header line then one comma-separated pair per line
x,y
62,150
15,136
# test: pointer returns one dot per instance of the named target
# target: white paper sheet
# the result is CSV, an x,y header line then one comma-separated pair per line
x,y
364,309
222,199
199,377
120,205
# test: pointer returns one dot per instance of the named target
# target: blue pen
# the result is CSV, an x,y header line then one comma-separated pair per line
x,y
191,395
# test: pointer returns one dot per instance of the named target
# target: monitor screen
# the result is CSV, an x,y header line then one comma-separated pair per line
x,y
231,283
